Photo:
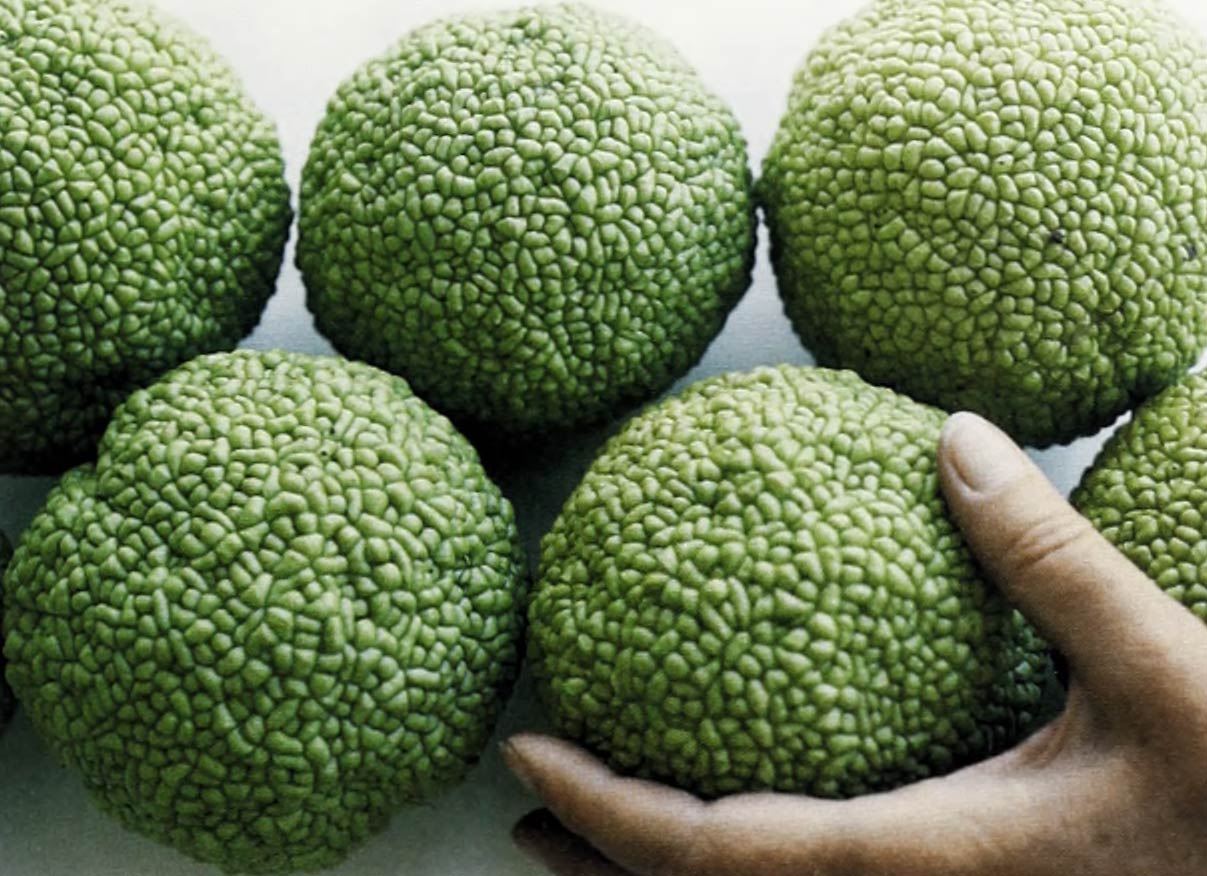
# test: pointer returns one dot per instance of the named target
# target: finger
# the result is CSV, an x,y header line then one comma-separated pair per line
x,y
1117,628
974,821
541,836
640,825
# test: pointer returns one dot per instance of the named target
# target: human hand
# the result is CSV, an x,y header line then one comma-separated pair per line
x,y
1116,784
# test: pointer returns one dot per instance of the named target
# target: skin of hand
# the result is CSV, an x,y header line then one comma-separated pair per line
x,y
1117,784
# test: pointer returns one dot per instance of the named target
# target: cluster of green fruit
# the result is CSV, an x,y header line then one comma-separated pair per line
x,y
281,596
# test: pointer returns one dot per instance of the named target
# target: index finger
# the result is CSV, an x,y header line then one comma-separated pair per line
x,y
540,835
643,826
987,819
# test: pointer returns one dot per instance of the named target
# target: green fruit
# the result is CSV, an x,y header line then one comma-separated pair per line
x,y
143,216
285,601
999,206
1147,491
537,217
757,586
7,703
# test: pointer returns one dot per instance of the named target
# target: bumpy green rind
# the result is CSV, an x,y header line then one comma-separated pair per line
x,y
999,206
1147,491
537,217
757,586
286,600
7,703
143,216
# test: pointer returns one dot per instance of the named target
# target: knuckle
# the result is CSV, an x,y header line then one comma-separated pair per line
x,y
1047,543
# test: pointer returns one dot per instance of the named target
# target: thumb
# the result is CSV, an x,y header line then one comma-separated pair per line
x,y
1108,618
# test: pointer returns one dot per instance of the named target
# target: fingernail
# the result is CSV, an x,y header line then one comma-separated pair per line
x,y
518,764
981,454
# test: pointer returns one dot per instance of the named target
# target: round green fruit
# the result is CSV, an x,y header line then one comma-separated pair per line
x,y
285,601
538,217
999,207
143,216
757,586
1147,491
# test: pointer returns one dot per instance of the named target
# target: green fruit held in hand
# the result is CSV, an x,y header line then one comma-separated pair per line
x,y
1147,491
285,601
143,216
538,217
999,206
757,586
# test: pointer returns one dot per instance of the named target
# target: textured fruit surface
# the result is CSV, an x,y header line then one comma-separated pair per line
x,y
536,216
1147,491
6,695
757,586
286,600
143,216
999,206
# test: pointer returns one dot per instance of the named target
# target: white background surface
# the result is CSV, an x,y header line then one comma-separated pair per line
x,y
292,54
